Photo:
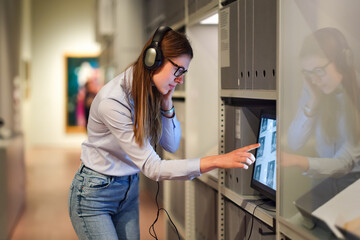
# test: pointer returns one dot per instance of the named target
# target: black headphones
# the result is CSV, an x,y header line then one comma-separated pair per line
x,y
345,60
153,57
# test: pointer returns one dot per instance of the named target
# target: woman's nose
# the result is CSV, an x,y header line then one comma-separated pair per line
x,y
179,80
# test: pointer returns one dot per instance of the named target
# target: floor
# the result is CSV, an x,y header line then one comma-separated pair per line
x,y
49,172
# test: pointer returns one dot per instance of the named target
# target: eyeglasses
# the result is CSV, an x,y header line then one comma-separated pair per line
x,y
179,71
318,71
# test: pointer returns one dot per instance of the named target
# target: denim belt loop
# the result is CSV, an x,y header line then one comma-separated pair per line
x,y
134,176
82,166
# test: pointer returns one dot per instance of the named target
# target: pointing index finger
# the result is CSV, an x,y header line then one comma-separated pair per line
x,y
251,147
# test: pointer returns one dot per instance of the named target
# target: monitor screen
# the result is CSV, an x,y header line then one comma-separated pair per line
x,y
264,170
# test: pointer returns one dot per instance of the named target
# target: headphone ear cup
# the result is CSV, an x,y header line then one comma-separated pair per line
x,y
149,57
152,57
345,60
348,57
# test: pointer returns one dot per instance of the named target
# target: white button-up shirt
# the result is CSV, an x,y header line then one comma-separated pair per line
x,y
111,148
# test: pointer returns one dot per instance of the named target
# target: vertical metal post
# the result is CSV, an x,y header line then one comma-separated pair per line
x,y
221,180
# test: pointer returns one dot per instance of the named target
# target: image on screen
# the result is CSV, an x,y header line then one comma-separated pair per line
x,y
264,172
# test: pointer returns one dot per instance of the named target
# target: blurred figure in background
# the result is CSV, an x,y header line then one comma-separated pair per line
x,y
91,88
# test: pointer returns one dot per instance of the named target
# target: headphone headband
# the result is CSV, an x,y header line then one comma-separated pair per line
x,y
159,33
153,55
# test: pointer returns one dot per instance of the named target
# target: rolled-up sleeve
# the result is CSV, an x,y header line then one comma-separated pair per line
x,y
170,139
301,127
342,163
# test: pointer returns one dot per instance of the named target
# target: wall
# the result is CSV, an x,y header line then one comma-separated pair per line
x,y
9,59
202,92
58,27
129,32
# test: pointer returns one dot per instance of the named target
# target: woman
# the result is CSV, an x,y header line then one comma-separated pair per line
x,y
328,109
128,117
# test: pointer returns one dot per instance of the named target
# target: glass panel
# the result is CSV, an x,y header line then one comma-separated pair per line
x,y
319,116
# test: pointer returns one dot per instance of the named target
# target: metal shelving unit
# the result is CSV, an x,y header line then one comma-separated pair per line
x,y
250,94
216,182
248,77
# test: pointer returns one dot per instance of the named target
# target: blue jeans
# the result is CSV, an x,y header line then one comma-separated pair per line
x,y
104,207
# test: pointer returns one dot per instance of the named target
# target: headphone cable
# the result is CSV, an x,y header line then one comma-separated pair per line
x,y
152,227
253,215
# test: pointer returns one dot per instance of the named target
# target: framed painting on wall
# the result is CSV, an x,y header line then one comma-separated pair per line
x,y
82,83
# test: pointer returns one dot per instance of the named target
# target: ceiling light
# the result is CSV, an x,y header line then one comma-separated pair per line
x,y
214,19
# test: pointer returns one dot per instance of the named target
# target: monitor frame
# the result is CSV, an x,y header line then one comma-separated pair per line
x,y
262,188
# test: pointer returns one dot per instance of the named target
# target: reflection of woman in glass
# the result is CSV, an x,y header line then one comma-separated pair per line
x,y
329,107
91,88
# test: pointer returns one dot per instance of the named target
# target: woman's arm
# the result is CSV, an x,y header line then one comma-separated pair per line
x,y
340,164
117,119
171,135
239,158
293,160
302,125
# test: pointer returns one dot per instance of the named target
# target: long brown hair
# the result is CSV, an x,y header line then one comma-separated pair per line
x,y
147,98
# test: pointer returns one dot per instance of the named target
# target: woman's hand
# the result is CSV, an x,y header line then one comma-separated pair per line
x,y
314,94
292,160
166,102
239,158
